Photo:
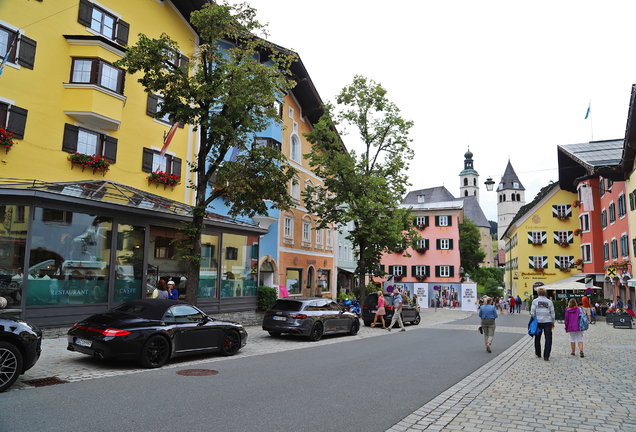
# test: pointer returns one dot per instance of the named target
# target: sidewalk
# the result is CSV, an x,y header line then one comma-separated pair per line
x,y
518,391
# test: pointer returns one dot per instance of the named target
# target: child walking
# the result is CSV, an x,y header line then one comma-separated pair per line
x,y
572,326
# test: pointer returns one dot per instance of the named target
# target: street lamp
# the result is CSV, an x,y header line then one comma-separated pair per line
x,y
489,184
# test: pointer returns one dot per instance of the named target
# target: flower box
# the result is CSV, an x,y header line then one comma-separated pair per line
x,y
164,178
421,227
622,321
6,139
96,163
420,277
421,250
563,244
397,278
563,217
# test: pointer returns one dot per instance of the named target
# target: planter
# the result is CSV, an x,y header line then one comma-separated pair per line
x,y
609,317
622,321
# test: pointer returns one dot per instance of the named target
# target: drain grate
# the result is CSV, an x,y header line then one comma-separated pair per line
x,y
197,372
43,382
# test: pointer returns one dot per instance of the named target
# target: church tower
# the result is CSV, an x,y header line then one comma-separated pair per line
x,y
469,178
511,197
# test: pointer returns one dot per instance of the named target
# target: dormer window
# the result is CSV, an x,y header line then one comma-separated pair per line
x,y
500,187
420,199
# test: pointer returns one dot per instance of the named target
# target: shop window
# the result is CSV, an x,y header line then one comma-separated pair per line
x,y
208,273
324,281
129,262
88,142
293,278
102,21
13,219
239,267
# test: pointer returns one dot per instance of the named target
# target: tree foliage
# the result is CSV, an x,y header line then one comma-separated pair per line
x,y
229,94
470,246
365,188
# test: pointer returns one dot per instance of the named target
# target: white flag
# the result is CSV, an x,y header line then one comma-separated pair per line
x,y
586,197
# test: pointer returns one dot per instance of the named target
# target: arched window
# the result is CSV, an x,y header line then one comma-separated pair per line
x,y
465,193
295,189
500,200
465,182
294,152
475,182
518,197
475,193
512,197
504,197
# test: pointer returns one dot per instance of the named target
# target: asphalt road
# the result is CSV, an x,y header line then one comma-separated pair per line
x,y
362,385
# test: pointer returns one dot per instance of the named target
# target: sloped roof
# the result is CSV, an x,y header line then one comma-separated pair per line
x,y
431,195
530,206
473,211
509,177
592,158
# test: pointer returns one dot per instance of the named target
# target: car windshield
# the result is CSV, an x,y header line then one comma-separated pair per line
x,y
287,305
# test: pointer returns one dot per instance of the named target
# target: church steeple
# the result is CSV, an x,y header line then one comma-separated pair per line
x,y
469,178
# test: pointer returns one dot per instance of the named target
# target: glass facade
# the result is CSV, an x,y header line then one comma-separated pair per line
x,y
13,236
208,274
239,265
129,262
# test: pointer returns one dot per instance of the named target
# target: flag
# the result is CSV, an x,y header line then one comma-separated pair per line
x,y
6,56
589,109
168,138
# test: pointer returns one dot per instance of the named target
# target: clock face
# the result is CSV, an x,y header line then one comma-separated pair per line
x,y
500,186
515,185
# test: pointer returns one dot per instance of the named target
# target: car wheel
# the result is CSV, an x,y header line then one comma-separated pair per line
x,y
155,352
231,343
316,332
274,334
417,319
355,327
10,365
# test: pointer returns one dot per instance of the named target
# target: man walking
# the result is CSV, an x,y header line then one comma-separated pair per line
x,y
512,305
397,313
518,302
543,309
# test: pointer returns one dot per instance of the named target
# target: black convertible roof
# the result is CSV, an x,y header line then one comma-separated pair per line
x,y
153,309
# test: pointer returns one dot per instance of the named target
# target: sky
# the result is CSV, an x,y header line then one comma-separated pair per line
x,y
510,80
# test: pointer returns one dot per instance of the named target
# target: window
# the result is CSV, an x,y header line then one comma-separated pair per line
x,y
420,199
295,189
19,48
328,236
444,271
562,236
586,252
153,162
535,237
443,220
288,227
420,270
268,142
103,22
340,251
537,262
421,220
318,238
397,270
294,152
603,218
444,244
584,220
293,280
346,252
291,113
612,213
153,106
306,231
622,208
14,119
610,183
624,246
422,244
500,187
606,253
563,261
97,72
561,211
601,186
89,142
614,248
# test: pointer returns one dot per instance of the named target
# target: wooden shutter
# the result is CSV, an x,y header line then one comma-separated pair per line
x,y
544,237
183,60
438,244
390,270
451,271
123,28
545,262
69,143
110,149
17,121
530,240
436,271
176,166
570,236
85,13
557,262
382,267
404,270
151,105
436,220
415,221
428,270
26,57
146,161
450,243
426,243
450,221
413,271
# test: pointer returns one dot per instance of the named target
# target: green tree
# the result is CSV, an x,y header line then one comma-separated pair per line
x,y
366,189
229,96
470,246
491,288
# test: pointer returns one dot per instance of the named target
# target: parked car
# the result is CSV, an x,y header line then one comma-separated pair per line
x,y
410,313
309,316
20,348
154,331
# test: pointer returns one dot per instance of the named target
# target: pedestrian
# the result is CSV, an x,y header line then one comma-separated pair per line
x,y
619,302
501,305
397,311
572,327
161,291
585,304
518,302
380,311
543,309
415,303
173,294
512,305
630,309
488,314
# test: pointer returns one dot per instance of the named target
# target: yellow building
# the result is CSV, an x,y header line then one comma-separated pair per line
x,y
540,243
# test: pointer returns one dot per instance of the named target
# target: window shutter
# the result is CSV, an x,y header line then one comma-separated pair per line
x,y
176,166
544,237
436,271
17,121
428,270
450,221
415,221
85,13
123,28
146,162
110,149
426,243
413,271
450,243
545,262
382,267
436,220
438,244
530,262
404,270
451,271
570,237
426,220
183,60
557,262
151,105
390,270
631,200
26,57
555,211
69,144
530,240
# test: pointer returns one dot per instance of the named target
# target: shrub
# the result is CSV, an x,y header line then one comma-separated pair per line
x,y
266,297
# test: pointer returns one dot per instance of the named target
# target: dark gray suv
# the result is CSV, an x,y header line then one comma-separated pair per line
x,y
310,317
370,305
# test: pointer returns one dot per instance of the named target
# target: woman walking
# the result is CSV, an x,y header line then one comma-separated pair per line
x,y
380,311
572,326
488,314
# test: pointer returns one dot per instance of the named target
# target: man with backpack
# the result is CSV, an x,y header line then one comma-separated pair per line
x,y
518,302
543,309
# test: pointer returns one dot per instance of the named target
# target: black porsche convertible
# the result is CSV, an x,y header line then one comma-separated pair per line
x,y
154,331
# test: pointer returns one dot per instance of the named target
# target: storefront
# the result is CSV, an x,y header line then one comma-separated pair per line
x,y
69,250
431,295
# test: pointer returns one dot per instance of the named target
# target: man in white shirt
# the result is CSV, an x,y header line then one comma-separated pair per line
x,y
397,313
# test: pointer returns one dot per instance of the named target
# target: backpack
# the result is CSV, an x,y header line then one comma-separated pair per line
x,y
584,322
533,327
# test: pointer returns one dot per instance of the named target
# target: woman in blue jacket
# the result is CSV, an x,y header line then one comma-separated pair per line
x,y
488,314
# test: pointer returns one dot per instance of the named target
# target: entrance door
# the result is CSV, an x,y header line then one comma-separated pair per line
x,y
311,280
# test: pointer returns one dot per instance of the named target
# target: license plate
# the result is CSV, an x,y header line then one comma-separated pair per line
x,y
83,342
277,318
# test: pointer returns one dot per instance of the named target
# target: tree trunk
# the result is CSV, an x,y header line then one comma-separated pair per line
x,y
194,264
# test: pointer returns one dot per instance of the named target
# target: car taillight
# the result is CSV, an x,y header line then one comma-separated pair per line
x,y
114,332
298,316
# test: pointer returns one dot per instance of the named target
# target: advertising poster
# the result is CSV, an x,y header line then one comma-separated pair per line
x,y
421,289
469,297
